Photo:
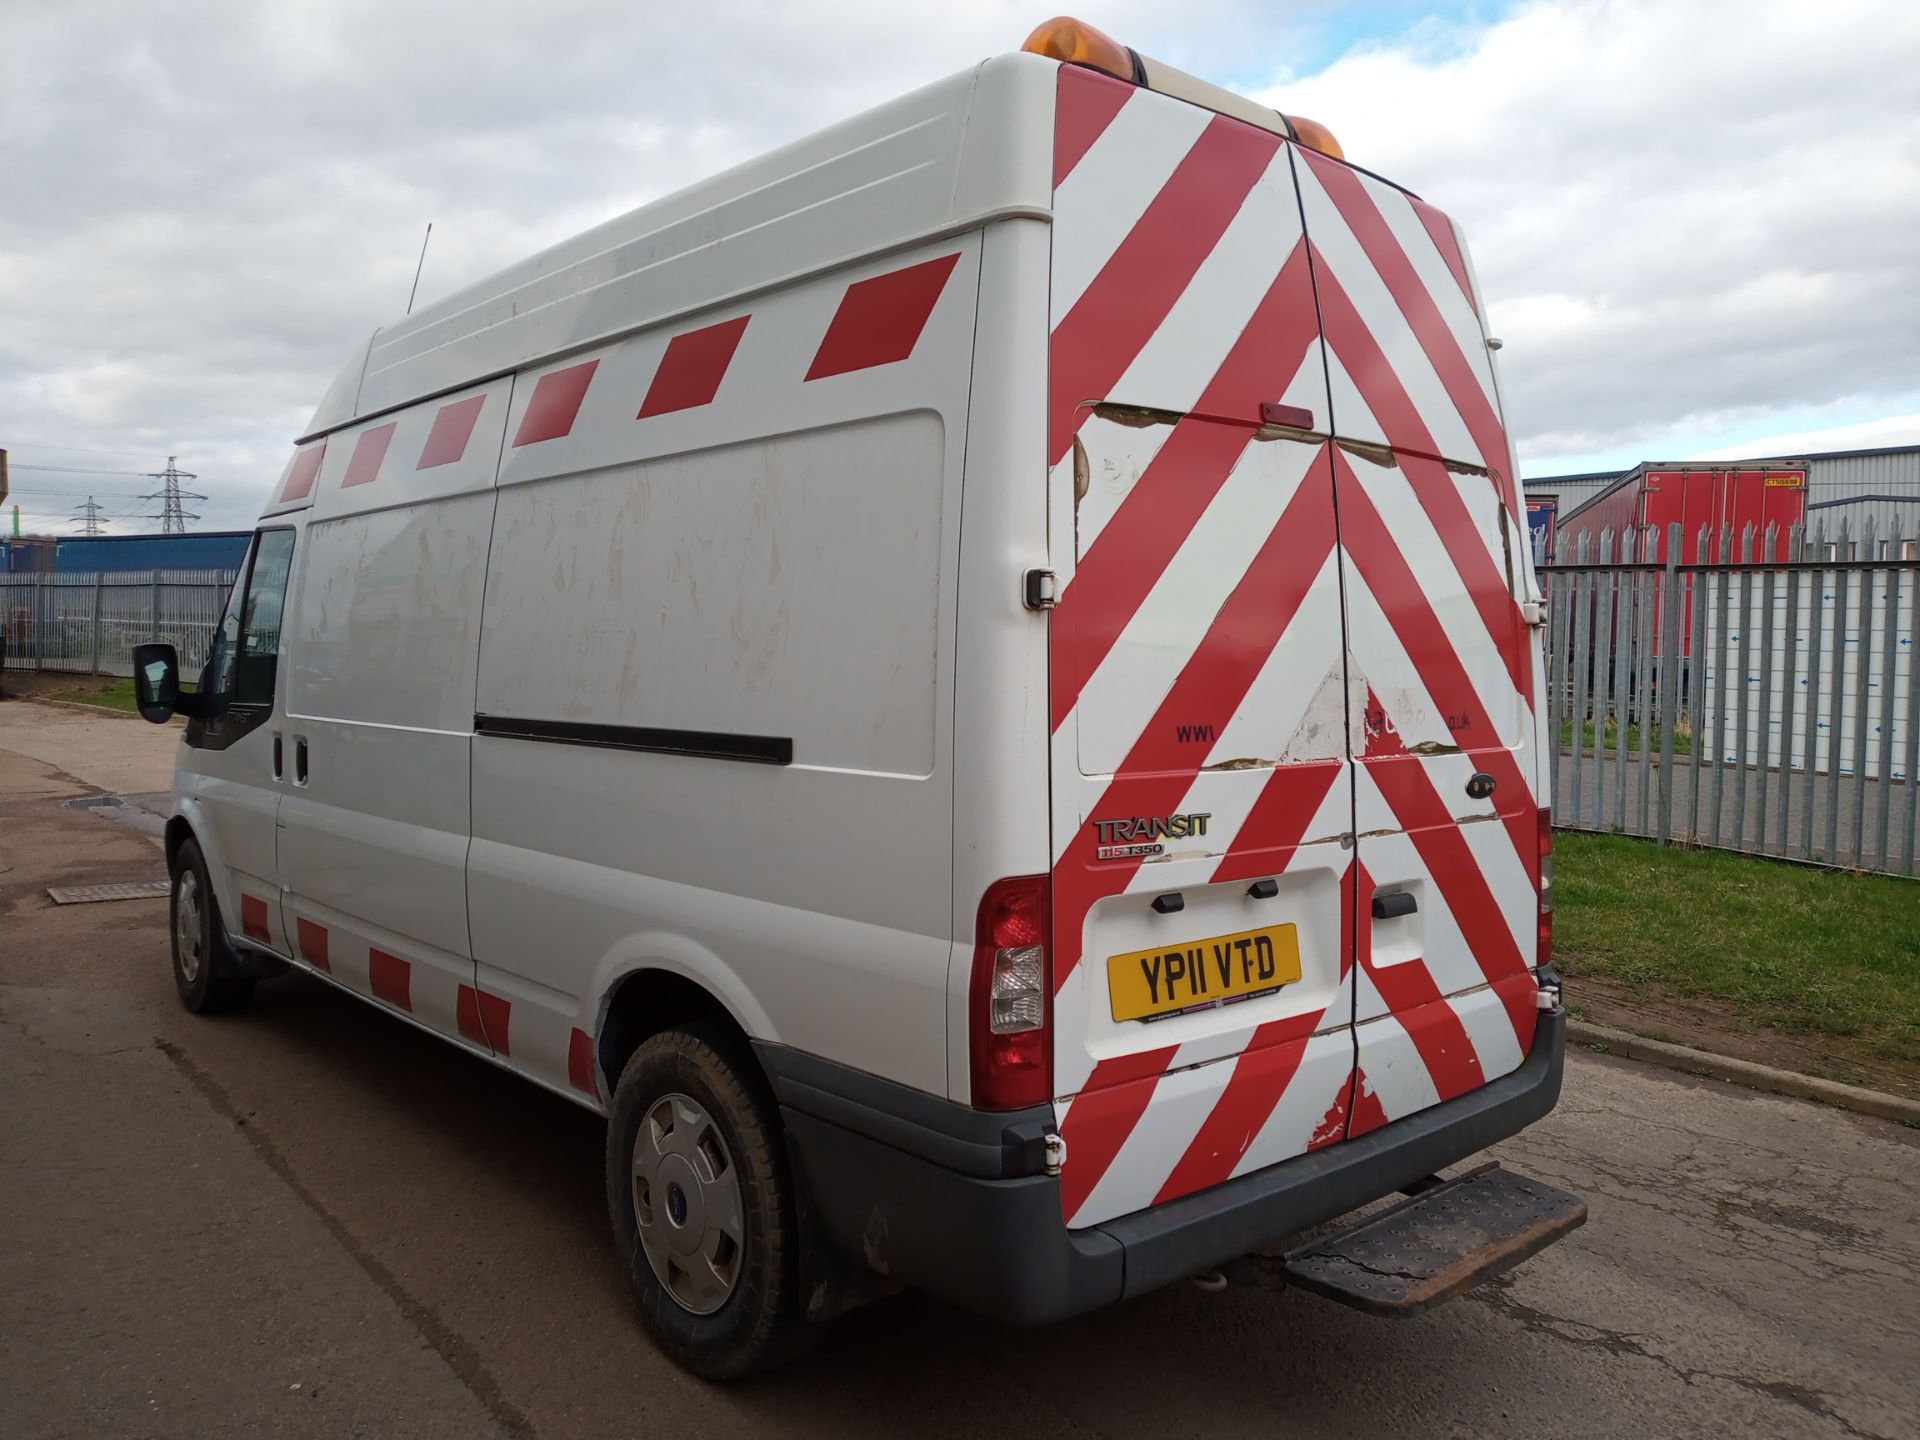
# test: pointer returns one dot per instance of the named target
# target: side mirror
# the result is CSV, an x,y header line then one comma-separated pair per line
x,y
156,681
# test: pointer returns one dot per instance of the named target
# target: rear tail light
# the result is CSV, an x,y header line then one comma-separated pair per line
x,y
1545,955
1011,1001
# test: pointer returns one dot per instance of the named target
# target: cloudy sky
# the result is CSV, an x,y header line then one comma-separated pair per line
x,y
1696,222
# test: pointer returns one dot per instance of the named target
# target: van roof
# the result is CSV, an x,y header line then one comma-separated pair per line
x,y
970,149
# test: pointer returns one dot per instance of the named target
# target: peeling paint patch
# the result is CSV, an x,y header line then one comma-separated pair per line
x,y
1137,417
1380,455
1323,728
1289,432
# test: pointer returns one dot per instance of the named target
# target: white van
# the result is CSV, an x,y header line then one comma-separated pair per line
x,y
972,684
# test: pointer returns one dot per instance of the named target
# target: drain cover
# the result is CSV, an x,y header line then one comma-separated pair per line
x,y
93,894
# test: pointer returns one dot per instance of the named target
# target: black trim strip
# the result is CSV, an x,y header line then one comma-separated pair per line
x,y
992,1144
708,744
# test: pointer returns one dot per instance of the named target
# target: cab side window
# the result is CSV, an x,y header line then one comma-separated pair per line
x,y
257,626
218,681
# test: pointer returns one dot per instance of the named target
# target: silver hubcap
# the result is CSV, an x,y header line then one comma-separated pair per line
x,y
686,1200
189,933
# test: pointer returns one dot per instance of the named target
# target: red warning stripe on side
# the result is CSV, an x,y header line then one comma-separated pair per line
x,y
391,978
466,1013
306,468
254,923
312,940
452,428
692,368
555,404
583,1070
880,319
495,1012
484,1018
368,451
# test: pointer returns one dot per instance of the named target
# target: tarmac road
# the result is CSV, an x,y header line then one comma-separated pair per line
x,y
314,1220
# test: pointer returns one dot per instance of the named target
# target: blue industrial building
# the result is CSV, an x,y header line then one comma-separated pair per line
x,y
85,554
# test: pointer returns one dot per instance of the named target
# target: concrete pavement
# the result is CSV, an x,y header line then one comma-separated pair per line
x,y
202,1214
101,749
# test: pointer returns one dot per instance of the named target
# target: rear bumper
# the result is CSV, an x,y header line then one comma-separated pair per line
x,y
953,1201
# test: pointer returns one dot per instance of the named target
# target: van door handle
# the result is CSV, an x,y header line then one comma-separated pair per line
x,y
299,760
1393,904
279,768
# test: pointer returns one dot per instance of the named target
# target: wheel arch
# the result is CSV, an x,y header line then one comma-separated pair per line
x,y
643,1001
179,831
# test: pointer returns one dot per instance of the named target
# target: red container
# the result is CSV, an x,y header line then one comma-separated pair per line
x,y
1701,500
1705,501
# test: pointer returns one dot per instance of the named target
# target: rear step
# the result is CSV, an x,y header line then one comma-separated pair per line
x,y
1445,1240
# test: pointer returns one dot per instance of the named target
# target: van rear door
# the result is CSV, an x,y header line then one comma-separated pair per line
x,y
1447,820
1201,783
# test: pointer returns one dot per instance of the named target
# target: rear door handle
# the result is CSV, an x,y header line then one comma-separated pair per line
x,y
299,760
1394,904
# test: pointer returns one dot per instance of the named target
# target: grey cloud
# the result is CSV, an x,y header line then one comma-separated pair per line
x,y
1697,213
207,205
1688,210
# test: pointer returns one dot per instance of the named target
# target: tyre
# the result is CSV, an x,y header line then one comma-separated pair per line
x,y
203,965
702,1206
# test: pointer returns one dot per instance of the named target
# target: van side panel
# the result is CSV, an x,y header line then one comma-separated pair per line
x,y
381,659
730,546
944,159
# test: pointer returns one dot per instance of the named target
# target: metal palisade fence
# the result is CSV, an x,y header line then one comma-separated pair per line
x,y
1768,706
90,622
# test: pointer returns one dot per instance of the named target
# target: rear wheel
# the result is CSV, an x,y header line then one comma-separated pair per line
x,y
702,1207
202,963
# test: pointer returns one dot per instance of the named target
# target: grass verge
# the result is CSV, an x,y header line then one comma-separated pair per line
x,y
1610,738
117,696
1796,949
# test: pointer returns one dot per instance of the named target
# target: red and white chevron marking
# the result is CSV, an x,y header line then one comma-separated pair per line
x,y
1202,596
852,326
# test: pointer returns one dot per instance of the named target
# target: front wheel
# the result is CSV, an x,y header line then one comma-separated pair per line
x,y
702,1207
202,967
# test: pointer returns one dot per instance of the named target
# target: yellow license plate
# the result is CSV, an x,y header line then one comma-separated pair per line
x,y
1173,979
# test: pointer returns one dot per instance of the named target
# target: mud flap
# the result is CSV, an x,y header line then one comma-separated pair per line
x,y
1447,1238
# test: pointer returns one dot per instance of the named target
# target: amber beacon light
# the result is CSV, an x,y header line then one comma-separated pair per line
x,y
1077,43
1074,42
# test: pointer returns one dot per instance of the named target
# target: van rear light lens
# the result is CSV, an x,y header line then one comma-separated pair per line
x,y
1011,1010
1017,996
1545,954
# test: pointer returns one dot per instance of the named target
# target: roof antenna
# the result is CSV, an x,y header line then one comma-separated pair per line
x,y
417,268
